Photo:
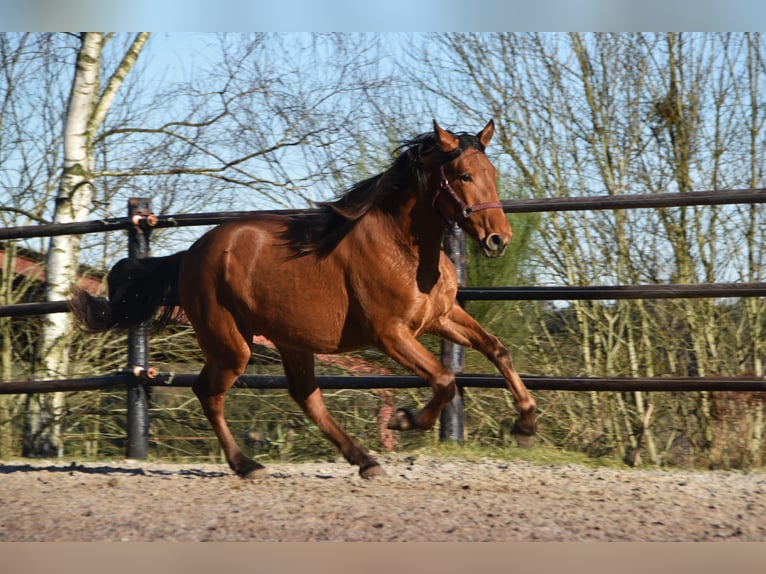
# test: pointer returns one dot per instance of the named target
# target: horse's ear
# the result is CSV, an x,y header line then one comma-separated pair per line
x,y
486,134
446,141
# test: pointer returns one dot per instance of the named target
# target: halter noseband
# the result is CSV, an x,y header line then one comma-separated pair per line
x,y
465,209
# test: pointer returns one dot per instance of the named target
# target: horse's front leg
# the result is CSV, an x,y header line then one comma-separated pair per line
x,y
404,348
460,327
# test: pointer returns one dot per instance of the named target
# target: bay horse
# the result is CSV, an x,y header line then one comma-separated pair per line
x,y
366,269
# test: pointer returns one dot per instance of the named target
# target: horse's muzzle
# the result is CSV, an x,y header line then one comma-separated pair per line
x,y
493,245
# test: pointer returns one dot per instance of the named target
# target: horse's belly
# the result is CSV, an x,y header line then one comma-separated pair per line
x,y
301,331
309,315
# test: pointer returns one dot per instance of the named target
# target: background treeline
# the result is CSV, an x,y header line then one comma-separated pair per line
x,y
271,120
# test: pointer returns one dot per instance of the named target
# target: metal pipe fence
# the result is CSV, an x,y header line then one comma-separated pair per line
x,y
136,377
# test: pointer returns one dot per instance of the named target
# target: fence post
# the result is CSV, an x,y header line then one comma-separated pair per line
x,y
451,419
138,342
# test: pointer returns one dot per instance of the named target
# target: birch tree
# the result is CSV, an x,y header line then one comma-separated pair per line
x,y
89,104
30,136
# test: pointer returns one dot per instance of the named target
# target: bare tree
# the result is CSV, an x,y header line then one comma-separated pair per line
x,y
255,127
29,140
89,103
583,114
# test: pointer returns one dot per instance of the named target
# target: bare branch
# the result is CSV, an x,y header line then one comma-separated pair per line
x,y
115,82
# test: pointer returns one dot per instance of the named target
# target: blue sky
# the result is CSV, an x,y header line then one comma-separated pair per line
x,y
172,55
392,15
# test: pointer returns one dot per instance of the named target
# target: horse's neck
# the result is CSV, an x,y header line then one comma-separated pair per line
x,y
418,234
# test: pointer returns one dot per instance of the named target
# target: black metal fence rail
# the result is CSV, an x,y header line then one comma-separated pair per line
x,y
607,292
637,201
546,204
119,381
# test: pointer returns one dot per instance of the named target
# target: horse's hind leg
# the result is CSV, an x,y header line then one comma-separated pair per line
x,y
225,362
299,369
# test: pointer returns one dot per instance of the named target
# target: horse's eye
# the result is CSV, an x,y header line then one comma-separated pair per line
x,y
466,177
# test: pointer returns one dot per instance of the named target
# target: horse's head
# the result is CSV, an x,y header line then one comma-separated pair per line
x,y
467,194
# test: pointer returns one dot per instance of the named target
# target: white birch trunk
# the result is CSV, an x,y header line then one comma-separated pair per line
x,y
87,110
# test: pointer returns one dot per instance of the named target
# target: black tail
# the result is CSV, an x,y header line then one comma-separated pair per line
x,y
137,289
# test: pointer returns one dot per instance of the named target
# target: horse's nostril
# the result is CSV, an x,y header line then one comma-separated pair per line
x,y
493,245
495,242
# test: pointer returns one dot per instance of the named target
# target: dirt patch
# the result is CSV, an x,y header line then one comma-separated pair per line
x,y
424,499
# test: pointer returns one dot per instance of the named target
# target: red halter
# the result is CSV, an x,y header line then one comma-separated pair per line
x,y
465,209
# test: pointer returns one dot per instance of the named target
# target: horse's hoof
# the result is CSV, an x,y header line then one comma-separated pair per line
x,y
250,471
402,420
254,474
372,471
524,440
524,437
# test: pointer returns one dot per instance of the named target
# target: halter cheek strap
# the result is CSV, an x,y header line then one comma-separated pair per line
x,y
465,209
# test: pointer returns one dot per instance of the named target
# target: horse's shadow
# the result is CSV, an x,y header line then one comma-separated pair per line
x,y
108,470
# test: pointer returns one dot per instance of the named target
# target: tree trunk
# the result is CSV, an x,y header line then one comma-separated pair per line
x,y
87,110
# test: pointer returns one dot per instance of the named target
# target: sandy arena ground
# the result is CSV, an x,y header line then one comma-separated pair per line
x,y
422,500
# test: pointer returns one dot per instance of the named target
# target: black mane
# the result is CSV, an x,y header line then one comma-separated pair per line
x,y
320,232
